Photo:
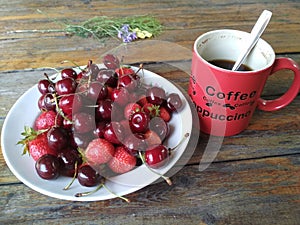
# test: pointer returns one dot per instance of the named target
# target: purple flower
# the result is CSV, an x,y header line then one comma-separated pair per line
x,y
126,35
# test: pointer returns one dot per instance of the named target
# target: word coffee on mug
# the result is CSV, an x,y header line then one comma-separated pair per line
x,y
226,100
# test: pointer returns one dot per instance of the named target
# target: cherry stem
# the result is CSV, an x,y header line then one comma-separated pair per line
x,y
73,179
75,64
97,189
81,194
185,136
167,179
118,196
59,111
140,68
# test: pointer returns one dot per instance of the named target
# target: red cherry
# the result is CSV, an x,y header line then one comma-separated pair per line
x,y
114,132
58,138
103,110
155,95
120,96
70,103
129,82
69,72
159,126
47,167
49,101
96,91
111,61
43,86
139,122
83,122
68,157
174,102
65,86
99,130
88,177
107,77
156,156
135,143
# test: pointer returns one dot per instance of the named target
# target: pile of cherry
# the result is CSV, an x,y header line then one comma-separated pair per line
x,y
97,122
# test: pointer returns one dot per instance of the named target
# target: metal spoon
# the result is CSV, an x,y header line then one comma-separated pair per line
x,y
255,34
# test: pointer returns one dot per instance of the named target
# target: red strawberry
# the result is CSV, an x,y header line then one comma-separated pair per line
x,y
47,119
124,71
152,138
122,161
130,108
142,100
152,110
36,143
164,114
99,151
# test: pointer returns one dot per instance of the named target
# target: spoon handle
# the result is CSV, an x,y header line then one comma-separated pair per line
x,y
255,34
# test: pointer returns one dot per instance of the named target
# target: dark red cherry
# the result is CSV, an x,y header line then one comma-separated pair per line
x,y
135,143
83,122
43,86
65,86
81,140
103,110
68,159
174,102
111,61
114,132
159,126
41,103
88,177
156,95
71,103
96,91
156,156
107,77
58,138
47,167
139,122
99,130
129,82
49,101
69,72
120,96
67,122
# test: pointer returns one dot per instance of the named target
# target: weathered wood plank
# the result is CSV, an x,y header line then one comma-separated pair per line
x,y
183,22
241,192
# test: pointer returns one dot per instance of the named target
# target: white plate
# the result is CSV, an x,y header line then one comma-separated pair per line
x,y
24,112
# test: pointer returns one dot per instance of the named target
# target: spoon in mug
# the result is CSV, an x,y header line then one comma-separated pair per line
x,y
255,34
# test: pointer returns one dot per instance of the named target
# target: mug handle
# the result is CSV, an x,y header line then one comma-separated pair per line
x,y
290,95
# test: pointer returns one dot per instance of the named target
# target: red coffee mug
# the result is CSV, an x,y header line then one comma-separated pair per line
x,y
226,100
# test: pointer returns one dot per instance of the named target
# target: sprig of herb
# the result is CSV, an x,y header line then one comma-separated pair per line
x,y
102,27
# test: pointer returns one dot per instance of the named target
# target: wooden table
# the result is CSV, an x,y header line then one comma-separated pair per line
x,y
254,179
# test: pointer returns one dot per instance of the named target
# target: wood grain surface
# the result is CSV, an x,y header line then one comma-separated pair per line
x,y
255,177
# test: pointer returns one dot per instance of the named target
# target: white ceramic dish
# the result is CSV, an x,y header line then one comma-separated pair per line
x,y
25,110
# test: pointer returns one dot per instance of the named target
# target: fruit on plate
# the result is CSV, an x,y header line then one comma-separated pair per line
x,y
95,121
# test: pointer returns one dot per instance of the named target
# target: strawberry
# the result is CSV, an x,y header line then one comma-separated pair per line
x,y
47,119
36,143
164,114
130,108
99,151
142,100
124,71
122,161
152,138
152,110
